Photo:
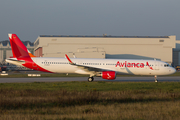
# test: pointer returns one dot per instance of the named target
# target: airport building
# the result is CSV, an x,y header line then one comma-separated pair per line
x,y
176,54
119,47
165,48
5,49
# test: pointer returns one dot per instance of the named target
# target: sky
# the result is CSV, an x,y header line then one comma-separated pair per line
x,y
31,18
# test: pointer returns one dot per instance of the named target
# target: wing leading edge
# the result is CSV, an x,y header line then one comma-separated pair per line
x,y
93,70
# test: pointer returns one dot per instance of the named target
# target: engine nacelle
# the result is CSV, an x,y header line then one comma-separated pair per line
x,y
109,75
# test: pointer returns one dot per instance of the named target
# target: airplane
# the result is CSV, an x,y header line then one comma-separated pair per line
x,y
105,68
30,54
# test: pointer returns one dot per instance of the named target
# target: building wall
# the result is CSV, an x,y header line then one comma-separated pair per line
x,y
108,47
176,54
38,52
1,55
3,52
8,53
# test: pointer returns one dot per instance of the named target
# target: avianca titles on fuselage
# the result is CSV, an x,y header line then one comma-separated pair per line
x,y
106,68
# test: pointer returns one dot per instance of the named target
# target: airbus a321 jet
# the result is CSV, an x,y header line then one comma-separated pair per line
x,y
105,68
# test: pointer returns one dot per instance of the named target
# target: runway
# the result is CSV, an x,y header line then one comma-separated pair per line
x,y
63,79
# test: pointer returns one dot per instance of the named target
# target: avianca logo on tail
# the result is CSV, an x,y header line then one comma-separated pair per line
x,y
136,65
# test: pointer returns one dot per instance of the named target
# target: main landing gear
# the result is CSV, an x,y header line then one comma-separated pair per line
x,y
90,79
155,77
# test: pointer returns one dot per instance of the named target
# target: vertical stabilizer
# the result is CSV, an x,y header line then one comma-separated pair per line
x,y
19,50
21,55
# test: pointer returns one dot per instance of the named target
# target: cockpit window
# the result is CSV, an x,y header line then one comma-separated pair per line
x,y
166,65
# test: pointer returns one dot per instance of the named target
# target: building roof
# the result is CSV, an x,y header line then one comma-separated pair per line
x,y
104,36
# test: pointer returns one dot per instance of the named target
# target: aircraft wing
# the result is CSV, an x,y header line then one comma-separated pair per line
x,y
86,68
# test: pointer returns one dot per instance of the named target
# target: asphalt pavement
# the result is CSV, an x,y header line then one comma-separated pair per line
x,y
62,79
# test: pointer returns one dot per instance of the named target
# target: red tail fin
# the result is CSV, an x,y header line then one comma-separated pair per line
x,y
19,50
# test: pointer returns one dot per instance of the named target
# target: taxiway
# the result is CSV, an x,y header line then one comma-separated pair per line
x,y
63,79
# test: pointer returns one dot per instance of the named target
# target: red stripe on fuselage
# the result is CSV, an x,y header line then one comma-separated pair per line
x,y
34,66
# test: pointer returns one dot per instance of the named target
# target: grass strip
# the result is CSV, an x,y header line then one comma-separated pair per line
x,y
91,101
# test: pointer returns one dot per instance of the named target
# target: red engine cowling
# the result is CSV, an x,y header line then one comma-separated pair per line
x,y
109,75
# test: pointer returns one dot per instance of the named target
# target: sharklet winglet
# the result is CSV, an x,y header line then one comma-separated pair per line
x,y
69,59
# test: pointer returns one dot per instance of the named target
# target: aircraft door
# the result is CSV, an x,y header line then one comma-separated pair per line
x,y
80,62
156,66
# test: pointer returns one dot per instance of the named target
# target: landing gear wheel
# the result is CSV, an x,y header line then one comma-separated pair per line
x,y
90,79
155,77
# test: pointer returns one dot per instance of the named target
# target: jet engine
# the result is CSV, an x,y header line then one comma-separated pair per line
x,y
109,75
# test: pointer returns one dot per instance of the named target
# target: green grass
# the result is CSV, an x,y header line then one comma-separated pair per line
x,y
98,86
90,101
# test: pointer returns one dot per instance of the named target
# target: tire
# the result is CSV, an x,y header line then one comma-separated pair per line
x,y
90,79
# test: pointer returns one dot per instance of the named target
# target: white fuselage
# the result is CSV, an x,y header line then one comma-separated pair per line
x,y
120,66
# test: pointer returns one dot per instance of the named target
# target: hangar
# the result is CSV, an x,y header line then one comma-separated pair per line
x,y
176,54
120,47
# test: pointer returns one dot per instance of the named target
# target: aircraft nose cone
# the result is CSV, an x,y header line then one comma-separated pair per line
x,y
172,70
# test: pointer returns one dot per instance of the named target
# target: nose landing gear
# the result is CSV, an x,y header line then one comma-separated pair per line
x,y
90,79
155,77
